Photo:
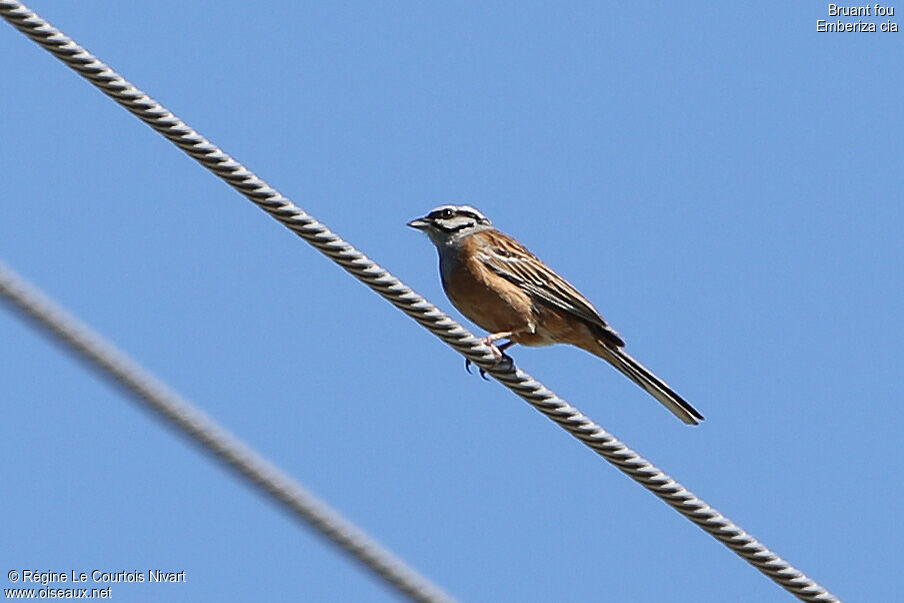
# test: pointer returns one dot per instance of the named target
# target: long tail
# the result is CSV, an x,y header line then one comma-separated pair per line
x,y
643,377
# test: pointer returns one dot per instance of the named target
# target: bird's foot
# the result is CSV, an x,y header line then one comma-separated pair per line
x,y
501,359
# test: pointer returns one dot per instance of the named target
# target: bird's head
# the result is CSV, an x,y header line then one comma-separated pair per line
x,y
450,223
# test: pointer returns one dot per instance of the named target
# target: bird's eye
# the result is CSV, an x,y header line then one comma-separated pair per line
x,y
447,213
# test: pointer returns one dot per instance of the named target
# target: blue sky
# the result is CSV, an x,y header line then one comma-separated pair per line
x,y
722,181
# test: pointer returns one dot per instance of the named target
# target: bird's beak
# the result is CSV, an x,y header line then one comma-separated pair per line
x,y
419,223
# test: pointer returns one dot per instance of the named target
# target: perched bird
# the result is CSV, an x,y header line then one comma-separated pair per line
x,y
497,283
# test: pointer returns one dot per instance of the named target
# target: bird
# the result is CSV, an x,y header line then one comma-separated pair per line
x,y
501,286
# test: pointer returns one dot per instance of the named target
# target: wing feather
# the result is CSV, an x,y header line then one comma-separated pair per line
x,y
512,261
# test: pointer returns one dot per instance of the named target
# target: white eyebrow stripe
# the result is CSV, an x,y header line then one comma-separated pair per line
x,y
468,210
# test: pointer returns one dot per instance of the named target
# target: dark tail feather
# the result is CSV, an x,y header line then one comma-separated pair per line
x,y
657,388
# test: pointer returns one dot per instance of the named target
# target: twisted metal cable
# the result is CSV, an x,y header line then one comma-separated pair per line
x,y
415,306
115,364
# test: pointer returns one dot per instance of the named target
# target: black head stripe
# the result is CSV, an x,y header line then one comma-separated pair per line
x,y
457,211
476,217
455,228
453,218
438,212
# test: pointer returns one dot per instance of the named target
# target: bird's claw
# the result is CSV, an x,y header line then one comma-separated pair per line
x,y
482,372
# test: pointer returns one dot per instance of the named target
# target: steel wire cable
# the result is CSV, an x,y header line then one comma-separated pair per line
x,y
414,305
115,364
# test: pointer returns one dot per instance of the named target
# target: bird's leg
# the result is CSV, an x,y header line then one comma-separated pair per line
x,y
498,351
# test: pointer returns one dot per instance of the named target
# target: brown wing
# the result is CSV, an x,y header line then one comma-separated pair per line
x,y
511,260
